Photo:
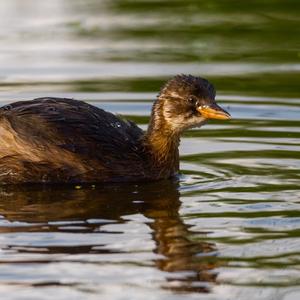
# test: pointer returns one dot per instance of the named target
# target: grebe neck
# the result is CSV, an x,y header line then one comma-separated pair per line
x,y
161,140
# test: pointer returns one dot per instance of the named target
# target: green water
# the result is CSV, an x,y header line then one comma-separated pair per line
x,y
230,227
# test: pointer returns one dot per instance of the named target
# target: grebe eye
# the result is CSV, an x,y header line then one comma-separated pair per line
x,y
191,100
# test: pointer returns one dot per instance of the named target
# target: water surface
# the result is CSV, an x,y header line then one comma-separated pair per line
x,y
229,227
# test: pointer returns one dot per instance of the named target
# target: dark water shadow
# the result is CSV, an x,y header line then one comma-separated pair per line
x,y
189,265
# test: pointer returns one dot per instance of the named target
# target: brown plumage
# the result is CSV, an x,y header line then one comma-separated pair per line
x,y
55,140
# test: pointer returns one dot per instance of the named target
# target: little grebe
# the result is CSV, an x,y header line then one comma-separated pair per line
x,y
58,140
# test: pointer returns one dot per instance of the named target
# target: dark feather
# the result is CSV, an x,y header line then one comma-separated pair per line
x,y
94,142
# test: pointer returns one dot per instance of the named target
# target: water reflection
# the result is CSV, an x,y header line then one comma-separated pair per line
x,y
189,264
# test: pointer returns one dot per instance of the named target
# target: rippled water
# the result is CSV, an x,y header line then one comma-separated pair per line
x,y
229,228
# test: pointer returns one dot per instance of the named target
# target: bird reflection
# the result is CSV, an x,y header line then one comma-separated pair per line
x,y
189,264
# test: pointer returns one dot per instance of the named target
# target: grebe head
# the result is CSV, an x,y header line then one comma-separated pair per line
x,y
187,101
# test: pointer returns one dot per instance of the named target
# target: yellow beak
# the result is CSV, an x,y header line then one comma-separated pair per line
x,y
213,111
